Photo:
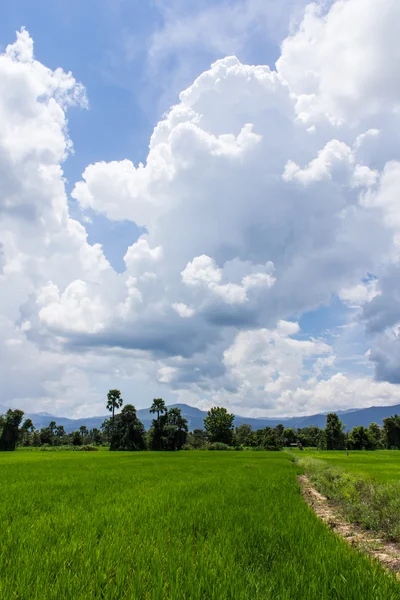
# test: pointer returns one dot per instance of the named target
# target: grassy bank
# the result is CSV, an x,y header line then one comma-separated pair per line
x,y
380,465
187,526
363,485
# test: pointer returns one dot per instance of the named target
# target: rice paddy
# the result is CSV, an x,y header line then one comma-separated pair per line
x,y
155,526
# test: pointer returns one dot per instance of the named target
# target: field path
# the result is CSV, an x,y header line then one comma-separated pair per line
x,y
387,553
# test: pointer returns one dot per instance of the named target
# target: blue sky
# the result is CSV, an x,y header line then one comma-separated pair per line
x,y
265,200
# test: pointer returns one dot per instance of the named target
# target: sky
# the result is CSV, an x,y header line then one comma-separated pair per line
x,y
199,201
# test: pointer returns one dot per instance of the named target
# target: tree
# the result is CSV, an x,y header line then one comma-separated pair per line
x,y
60,432
279,431
219,425
335,439
114,401
375,435
46,436
244,435
36,438
391,431
106,428
269,439
169,430
10,432
158,407
197,439
28,425
76,438
26,432
177,429
84,431
309,436
359,438
96,436
289,436
128,431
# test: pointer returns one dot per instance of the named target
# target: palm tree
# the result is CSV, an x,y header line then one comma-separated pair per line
x,y
174,415
83,430
114,401
60,431
158,407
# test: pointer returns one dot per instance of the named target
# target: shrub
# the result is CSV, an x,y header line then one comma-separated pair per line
x,y
86,448
218,446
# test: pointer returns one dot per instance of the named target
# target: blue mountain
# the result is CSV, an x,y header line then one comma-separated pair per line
x,y
195,416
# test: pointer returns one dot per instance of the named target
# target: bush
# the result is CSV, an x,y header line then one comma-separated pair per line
x,y
218,446
87,448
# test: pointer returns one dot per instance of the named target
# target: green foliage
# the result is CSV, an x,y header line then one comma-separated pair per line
x,y
270,439
218,446
373,505
77,448
96,436
375,436
77,439
391,431
334,436
219,425
9,427
114,401
289,436
360,439
169,526
244,436
128,432
196,440
169,430
158,407
309,436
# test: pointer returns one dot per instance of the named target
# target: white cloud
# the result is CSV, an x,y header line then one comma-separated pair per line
x,y
74,310
203,272
263,194
267,363
140,256
339,62
183,310
360,293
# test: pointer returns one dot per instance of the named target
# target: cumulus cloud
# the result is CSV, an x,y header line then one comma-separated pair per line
x,y
264,194
339,62
203,273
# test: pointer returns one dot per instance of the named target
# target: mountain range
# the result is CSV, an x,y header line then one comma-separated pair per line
x,y
351,418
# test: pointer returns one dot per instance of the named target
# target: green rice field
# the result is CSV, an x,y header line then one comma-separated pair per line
x,y
181,526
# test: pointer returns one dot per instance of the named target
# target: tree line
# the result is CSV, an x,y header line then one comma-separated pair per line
x,y
169,431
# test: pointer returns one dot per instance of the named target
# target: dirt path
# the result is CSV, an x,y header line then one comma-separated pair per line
x,y
387,553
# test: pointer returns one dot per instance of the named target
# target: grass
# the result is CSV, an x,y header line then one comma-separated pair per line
x,y
381,465
181,526
365,485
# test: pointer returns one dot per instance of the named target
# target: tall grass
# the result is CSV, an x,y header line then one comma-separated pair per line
x,y
373,504
179,526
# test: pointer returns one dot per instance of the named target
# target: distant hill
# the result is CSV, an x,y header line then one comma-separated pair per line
x,y
351,418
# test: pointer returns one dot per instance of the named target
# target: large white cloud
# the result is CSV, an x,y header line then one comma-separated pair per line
x,y
264,193
340,61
